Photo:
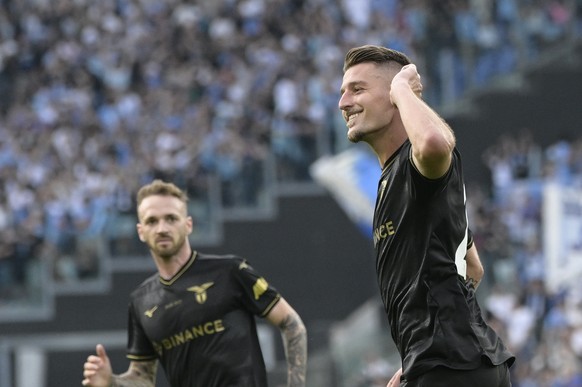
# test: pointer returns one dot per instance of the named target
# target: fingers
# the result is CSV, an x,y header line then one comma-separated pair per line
x,y
100,349
418,90
93,366
395,380
93,363
393,383
410,75
90,369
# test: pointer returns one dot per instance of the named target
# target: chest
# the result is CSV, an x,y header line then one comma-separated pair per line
x,y
193,303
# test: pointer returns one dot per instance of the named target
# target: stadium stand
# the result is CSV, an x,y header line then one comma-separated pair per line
x,y
234,100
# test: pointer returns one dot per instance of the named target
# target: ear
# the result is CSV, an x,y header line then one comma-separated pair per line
x,y
189,223
139,232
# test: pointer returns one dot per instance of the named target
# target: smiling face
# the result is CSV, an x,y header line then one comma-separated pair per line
x,y
365,100
164,225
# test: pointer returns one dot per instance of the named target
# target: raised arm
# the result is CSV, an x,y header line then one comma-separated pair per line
x,y
431,137
97,372
294,334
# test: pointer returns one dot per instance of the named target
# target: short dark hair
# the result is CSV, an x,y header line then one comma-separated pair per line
x,y
159,187
376,54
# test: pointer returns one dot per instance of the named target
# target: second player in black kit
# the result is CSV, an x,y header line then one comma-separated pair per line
x,y
222,295
427,265
196,315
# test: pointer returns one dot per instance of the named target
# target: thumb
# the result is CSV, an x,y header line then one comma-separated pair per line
x,y
101,352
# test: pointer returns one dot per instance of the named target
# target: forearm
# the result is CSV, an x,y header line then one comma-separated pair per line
x,y
475,271
121,381
295,343
424,127
139,374
431,137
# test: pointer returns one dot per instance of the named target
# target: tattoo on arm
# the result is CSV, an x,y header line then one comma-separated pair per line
x,y
139,374
295,343
471,283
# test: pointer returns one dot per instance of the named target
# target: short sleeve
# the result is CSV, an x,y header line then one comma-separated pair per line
x,y
257,294
139,348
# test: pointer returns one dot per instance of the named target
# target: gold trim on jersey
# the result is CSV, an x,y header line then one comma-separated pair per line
x,y
140,358
271,305
181,271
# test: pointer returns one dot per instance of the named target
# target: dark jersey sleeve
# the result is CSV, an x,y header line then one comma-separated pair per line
x,y
139,348
258,295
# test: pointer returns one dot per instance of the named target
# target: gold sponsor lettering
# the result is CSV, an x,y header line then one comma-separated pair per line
x,y
218,326
209,328
198,331
205,329
167,344
384,231
188,335
179,338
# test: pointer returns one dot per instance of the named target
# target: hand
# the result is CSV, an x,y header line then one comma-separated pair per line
x,y
395,381
408,77
97,369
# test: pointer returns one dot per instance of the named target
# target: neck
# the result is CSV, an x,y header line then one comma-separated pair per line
x,y
168,267
385,146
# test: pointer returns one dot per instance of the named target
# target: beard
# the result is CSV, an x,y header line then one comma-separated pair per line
x,y
355,135
168,249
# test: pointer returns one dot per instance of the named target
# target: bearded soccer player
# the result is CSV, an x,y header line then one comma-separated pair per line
x,y
196,316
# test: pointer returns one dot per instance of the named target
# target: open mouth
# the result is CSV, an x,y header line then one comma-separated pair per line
x,y
351,118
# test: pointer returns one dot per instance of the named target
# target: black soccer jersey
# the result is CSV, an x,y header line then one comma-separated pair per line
x,y
201,323
420,237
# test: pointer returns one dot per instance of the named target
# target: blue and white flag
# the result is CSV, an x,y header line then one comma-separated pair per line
x,y
352,178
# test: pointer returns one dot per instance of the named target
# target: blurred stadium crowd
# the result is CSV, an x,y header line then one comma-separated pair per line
x,y
99,97
542,324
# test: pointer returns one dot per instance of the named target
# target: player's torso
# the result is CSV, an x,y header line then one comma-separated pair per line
x,y
199,307
200,326
420,225
417,221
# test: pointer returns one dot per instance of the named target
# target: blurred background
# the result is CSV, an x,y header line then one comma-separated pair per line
x,y
236,102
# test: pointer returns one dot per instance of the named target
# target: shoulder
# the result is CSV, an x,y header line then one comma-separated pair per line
x,y
223,260
231,263
147,286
